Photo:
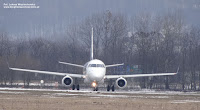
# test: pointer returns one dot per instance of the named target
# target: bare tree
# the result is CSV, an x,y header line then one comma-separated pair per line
x,y
172,27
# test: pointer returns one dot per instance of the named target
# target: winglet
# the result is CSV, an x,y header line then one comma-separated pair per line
x,y
8,65
177,70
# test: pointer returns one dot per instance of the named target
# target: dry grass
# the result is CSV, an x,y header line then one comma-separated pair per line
x,y
37,100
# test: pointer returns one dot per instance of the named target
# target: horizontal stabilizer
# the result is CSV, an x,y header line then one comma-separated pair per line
x,y
71,64
114,65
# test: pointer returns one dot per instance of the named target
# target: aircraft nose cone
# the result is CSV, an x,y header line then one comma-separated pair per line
x,y
96,75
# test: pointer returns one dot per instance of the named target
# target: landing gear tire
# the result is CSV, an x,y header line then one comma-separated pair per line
x,y
78,87
96,89
108,88
73,87
113,88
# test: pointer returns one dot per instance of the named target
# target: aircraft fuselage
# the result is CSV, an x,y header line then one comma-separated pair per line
x,y
94,71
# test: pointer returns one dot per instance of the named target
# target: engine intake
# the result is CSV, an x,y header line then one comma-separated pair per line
x,y
67,81
121,82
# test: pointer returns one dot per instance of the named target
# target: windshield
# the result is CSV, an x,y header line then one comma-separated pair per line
x,y
96,65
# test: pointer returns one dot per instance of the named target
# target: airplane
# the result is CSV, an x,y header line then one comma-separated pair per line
x,y
94,73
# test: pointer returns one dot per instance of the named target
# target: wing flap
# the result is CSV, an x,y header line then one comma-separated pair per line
x,y
48,72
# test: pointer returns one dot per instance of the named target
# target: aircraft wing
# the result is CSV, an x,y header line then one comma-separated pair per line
x,y
48,72
137,75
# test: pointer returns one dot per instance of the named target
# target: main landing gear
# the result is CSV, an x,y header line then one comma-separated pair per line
x,y
112,88
75,87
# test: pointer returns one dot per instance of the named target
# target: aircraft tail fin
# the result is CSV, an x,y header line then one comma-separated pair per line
x,y
91,51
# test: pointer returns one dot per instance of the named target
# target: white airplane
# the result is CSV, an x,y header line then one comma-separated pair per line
x,y
94,73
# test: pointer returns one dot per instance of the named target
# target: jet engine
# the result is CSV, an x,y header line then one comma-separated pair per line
x,y
121,82
67,81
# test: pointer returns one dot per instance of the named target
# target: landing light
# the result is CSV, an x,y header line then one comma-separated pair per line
x,y
94,84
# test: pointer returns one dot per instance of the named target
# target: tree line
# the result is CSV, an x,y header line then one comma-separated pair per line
x,y
161,43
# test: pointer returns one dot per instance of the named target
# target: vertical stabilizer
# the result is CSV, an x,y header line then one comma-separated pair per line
x,y
91,51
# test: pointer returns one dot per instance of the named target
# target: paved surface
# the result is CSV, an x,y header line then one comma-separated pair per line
x,y
28,99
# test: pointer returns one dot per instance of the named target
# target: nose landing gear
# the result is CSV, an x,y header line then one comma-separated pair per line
x,y
95,89
94,85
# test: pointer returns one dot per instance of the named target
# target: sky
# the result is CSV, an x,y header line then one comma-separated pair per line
x,y
61,13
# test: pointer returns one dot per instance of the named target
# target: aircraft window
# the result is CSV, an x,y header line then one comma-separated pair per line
x,y
96,65
92,65
100,65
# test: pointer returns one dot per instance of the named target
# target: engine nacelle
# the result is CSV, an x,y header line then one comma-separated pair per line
x,y
121,82
67,81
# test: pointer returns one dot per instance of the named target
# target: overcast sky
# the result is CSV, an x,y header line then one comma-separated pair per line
x,y
59,12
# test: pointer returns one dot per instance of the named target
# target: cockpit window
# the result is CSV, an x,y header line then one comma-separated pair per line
x,y
96,65
100,65
93,65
